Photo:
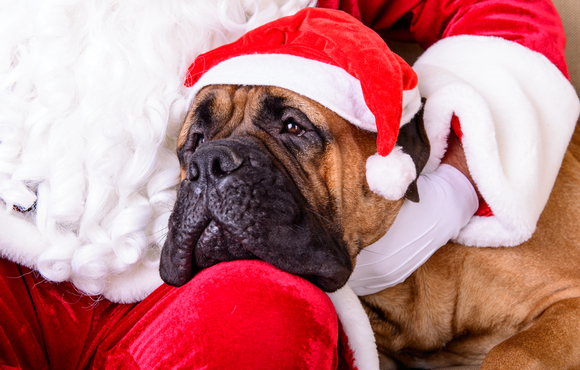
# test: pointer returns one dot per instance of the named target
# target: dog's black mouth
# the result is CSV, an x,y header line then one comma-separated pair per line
x,y
215,245
248,209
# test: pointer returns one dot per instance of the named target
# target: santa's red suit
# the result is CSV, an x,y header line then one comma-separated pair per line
x,y
497,66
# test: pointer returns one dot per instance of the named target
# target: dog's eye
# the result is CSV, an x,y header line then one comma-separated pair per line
x,y
200,139
291,127
193,142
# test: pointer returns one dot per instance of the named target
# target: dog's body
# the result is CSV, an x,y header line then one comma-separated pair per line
x,y
518,307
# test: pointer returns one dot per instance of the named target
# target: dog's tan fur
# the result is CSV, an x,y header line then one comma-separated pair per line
x,y
512,308
520,304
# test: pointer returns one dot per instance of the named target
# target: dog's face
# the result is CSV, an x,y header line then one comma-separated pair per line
x,y
269,174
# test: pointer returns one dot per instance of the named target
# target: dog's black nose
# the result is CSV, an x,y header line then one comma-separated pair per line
x,y
212,162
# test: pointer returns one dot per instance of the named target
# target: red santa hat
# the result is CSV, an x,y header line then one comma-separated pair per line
x,y
333,59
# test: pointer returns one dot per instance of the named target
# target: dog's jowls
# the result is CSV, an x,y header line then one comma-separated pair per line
x,y
261,180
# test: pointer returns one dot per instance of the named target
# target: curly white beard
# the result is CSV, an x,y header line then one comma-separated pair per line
x,y
91,100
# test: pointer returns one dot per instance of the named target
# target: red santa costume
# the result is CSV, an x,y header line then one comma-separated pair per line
x,y
496,65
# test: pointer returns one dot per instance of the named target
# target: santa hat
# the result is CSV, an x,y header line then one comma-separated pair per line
x,y
333,59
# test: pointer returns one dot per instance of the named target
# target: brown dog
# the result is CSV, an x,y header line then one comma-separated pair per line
x,y
270,174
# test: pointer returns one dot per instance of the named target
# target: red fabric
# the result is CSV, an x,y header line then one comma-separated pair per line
x,y
236,315
456,126
534,24
484,209
334,38
349,6
386,17
242,315
45,325
389,18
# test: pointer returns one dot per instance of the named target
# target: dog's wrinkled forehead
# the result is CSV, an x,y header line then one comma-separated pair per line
x,y
216,105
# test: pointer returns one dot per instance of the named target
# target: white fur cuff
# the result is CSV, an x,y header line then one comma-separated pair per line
x,y
517,113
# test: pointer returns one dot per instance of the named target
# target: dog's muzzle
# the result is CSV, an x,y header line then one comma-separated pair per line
x,y
236,204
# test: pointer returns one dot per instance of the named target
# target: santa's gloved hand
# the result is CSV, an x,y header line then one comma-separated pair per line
x,y
448,201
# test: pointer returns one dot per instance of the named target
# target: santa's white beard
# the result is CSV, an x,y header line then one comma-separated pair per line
x,y
91,102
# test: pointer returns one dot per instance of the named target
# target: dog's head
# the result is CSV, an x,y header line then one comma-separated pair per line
x,y
269,174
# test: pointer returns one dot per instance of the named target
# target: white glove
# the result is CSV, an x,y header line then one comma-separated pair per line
x,y
448,201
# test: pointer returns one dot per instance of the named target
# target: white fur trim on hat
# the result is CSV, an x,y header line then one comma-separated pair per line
x,y
326,84
390,176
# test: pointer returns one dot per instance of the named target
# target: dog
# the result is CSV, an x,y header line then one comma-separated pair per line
x,y
269,174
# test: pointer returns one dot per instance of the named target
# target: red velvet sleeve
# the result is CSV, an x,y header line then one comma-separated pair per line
x,y
389,18
534,24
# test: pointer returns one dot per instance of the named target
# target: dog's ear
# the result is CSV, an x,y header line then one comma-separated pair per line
x,y
414,141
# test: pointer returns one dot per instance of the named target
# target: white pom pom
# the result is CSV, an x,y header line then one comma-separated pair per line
x,y
390,176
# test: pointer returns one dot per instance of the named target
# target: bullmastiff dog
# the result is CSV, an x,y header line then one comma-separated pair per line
x,y
269,174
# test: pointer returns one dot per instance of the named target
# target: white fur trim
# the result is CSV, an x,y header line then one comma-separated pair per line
x,y
326,84
19,239
411,104
390,176
129,288
490,232
357,328
517,114
91,103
